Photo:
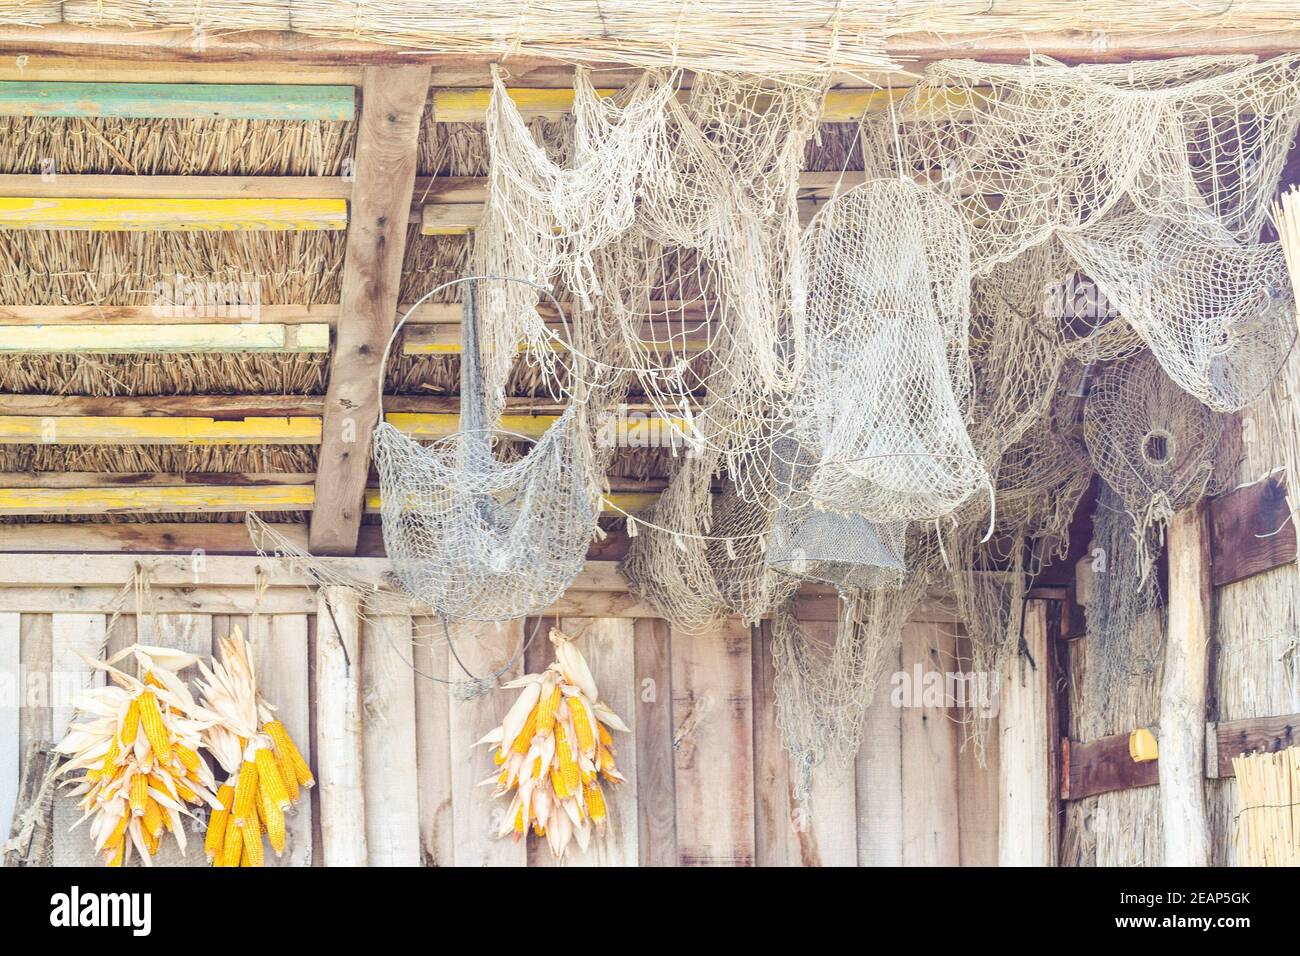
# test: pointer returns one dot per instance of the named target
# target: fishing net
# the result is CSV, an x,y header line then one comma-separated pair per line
x,y
824,683
1152,443
1121,652
886,380
1157,178
476,537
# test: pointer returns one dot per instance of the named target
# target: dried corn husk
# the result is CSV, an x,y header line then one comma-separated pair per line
x,y
136,743
553,749
265,772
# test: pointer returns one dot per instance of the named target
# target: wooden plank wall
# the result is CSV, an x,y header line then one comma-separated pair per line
x,y
709,782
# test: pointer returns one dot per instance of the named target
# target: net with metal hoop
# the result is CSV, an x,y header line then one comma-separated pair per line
x,y
1152,443
473,534
1156,177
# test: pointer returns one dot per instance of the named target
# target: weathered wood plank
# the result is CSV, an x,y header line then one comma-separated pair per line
x,y
1251,531
880,774
977,783
1184,815
1027,802
163,338
281,658
476,816
656,789
774,810
200,600
247,101
1232,738
11,697
393,103
339,729
433,744
189,499
392,789
71,636
930,807
714,734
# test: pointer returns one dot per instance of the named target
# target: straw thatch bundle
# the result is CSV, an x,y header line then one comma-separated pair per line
x,y
174,147
727,35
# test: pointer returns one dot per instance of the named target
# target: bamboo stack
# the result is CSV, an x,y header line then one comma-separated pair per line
x,y
1268,816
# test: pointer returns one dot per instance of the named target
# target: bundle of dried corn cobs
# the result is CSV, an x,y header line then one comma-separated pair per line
x,y
265,771
553,748
140,744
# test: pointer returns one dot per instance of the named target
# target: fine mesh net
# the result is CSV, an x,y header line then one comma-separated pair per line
x,y
1157,178
1152,443
881,402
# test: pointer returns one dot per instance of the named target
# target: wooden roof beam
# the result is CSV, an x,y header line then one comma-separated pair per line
x,y
393,99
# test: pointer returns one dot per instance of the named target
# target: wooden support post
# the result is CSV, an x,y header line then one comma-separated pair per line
x,y
339,760
1028,803
393,99
1183,690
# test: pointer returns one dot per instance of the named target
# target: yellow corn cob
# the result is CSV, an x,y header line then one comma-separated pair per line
x,y
252,845
605,760
586,739
152,681
188,758
564,757
118,854
110,759
546,709
139,794
525,738
287,776
217,822
151,843
603,732
153,823
498,757
557,783
275,831
131,722
245,791
269,781
284,744
521,818
185,793
232,845
152,722
118,835
595,802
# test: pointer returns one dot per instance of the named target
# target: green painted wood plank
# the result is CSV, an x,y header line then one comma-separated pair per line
x,y
179,100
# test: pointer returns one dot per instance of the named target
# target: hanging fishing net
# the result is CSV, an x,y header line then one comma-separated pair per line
x,y
1157,177
1122,649
824,683
886,378
1152,443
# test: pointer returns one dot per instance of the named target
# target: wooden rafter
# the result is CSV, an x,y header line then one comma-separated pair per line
x,y
393,99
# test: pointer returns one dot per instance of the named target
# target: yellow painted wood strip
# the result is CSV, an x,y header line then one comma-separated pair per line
x,y
470,105
127,339
206,499
170,215
631,502
179,499
634,429
112,430
444,339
